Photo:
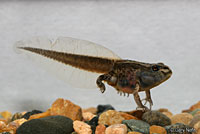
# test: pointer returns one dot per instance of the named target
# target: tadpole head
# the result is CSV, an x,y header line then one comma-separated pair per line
x,y
153,75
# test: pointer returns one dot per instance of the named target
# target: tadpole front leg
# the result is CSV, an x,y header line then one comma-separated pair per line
x,y
100,84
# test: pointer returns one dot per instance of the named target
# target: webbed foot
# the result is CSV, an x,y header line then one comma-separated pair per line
x,y
143,108
148,100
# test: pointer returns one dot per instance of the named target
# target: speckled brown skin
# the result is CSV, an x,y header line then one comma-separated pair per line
x,y
126,76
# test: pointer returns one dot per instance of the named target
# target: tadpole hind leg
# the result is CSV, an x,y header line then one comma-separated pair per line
x,y
148,99
100,84
138,101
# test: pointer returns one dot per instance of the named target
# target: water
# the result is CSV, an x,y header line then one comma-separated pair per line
x,y
148,31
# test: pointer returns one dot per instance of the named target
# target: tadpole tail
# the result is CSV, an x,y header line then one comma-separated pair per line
x,y
88,63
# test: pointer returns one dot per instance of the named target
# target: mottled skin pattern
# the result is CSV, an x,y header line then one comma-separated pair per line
x,y
126,76
132,77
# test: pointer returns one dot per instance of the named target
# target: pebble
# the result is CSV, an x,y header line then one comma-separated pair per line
x,y
179,128
94,122
197,127
110,117
92,110
166,112
195,119
4,120
6,133
74,133
66,108
48,125
157,129
16,116
6,115
28,114
100,129
20,121
2,125
195,106
136,113
12,126
137,125
156,118
87,116
196,111
134,132
128,116
116,129
81,127
103,108
184,118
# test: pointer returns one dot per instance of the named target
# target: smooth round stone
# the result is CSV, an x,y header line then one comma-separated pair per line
x,y
93,123
179,128
137,125
195,119
184,118
103,108
81,127
195,111
47,125
156,118
157,129
28,114
110,117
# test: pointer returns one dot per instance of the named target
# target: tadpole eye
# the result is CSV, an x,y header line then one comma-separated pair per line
x,y
155,67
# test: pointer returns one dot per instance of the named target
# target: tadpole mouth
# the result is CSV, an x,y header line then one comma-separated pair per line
x,y
167,72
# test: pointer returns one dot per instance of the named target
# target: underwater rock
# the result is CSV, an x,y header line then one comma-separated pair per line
x,y
196,111
66,108
47,125
116,129
157,129
103,108
197,127
16,116
133,132
81,127
28,114
2,125
137,125
92,110
192,108
6,133
6,115
136,113
93,123
100,129
156,118
166,112
12,126
128,116
195,119
195,106
179,128
184,118
87,116
110,117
